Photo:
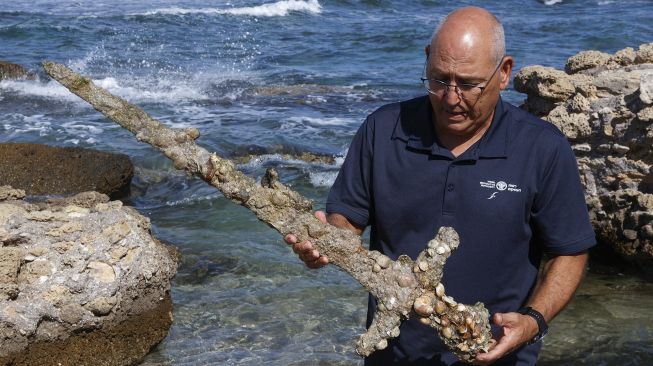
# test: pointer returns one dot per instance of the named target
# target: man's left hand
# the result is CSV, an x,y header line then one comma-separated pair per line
x,y
516,330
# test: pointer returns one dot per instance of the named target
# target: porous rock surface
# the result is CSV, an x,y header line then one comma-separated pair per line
x,y
10,70
82,282
604,105
41,169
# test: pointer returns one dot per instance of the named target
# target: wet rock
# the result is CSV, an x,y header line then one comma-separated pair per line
x,y
95,293
47,170
13,71
607,118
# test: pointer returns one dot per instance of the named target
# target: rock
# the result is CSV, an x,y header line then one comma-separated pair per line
x,y
13,71
586,60
624,57
7,192
545,82
574,125
618,81
47,170
607,117
11,259
646,114
67,297
644,54
646,88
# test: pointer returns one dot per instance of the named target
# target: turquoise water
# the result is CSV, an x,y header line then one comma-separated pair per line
x,y
285,76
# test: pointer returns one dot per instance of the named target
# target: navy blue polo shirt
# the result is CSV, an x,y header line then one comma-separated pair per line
x,y
512,196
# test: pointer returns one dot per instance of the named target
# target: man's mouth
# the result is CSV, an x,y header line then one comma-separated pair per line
x,y
455,113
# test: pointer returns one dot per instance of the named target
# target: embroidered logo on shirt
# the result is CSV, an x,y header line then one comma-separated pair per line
x,y
500,186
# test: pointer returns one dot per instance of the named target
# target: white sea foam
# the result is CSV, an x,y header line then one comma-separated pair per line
x,y
167,90
192,199
322,179
159,90
16,124
551,2
277,9
328,121
50,90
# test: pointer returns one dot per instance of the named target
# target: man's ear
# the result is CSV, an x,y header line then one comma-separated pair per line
x,y
506,71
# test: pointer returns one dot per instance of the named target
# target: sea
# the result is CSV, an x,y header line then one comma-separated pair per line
x,y
272,80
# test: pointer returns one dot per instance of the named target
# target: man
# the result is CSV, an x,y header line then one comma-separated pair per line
x,y
461,157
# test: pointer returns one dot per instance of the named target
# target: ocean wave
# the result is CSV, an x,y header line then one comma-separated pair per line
x,y
322,179
277,9
319,174
551,2
168,90
158,90
327,121
50,89
15,124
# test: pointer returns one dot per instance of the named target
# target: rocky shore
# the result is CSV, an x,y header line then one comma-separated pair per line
x,y
603,103
82,282
10,70
49,170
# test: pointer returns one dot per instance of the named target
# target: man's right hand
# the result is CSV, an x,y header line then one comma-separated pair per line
x,y
305,250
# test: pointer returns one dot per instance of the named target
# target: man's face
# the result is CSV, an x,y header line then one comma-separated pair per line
x,y
457,114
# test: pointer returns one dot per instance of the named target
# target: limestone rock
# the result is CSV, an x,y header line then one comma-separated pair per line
x,y
65,297
43,170
586,60
545,82
644,54
624,57
646,88
13,71
607,117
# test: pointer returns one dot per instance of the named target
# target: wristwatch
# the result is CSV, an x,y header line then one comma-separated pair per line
x,y
543,328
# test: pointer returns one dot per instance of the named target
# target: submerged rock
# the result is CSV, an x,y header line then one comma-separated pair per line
x,y
13,71
48,170
82,282
604,105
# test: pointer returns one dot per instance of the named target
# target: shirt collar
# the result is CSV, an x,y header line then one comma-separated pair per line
x,y
415,128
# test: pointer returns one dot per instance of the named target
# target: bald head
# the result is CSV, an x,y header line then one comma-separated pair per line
x,y
471,28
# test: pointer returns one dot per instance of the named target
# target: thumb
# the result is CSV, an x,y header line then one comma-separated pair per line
x,y
498,319
505,320
320,215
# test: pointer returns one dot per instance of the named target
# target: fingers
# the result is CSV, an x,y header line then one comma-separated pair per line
x,y
290,239
508,340
321,216
306,252
318,263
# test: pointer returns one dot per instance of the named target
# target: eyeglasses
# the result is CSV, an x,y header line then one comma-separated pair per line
x,y
464,91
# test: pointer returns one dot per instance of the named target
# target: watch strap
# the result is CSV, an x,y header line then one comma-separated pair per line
x,y
543,328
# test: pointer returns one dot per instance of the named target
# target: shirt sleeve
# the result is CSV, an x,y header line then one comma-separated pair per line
x,y
559,214
351,193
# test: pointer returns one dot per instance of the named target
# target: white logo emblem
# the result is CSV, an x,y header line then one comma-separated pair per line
x,y
499,186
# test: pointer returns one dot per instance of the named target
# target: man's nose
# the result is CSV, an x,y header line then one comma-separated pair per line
x,y
452,95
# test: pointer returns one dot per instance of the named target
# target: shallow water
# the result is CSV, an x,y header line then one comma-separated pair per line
x,y
285,76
